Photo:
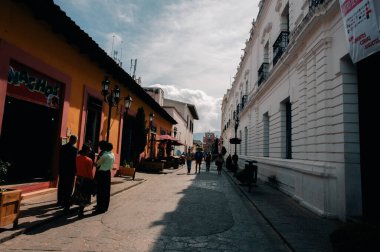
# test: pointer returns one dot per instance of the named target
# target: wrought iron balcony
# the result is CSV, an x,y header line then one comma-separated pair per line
x,y
244,99
315,3
263,73
280,45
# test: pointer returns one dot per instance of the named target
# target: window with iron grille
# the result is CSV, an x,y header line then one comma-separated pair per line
x,y
266,135
287,131
280,45
246,141
263,73
243,100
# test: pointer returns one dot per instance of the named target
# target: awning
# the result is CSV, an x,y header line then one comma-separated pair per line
x,y
169,139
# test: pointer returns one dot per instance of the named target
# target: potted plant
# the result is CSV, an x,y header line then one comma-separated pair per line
x,y
3,171
10,199
127,169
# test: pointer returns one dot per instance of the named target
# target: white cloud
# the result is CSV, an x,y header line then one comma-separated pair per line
x,y
196,44
208,107
191,48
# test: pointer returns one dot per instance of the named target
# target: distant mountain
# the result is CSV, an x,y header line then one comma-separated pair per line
x,y
200,135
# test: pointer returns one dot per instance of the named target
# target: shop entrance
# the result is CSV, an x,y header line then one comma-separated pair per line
x,y
28,140
127,140
369,135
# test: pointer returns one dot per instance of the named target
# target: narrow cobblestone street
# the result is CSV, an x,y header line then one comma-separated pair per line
x,y
168,212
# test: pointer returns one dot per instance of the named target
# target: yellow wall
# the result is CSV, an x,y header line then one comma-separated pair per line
x,y
35,37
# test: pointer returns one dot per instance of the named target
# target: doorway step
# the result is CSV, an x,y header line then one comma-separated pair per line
x,y
31,187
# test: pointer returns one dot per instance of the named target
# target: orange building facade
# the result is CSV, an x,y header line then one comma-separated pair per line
x,y
50,87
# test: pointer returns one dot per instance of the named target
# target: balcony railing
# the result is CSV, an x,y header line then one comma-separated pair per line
x,y
263,73
315,3
280,45
244,99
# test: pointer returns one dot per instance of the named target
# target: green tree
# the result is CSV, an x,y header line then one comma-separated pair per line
x,y
139,135
214,147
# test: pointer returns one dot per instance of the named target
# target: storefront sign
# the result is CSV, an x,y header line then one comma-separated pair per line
x,y
26,84
361,27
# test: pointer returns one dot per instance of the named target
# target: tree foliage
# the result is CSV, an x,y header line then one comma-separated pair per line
x,y
139,134
214,147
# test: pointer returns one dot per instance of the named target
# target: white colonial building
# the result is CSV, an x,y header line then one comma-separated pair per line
x,y
183,113
298,96
185,129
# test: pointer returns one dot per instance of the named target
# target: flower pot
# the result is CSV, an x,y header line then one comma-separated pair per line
x,y
10,201
127,171
155,166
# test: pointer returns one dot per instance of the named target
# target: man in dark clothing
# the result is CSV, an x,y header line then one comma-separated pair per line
x,y
67,170
198,161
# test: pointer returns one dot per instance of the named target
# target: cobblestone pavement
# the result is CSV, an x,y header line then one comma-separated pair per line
x,y
168,212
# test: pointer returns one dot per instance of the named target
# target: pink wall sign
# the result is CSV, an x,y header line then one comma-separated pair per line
x,y
361,27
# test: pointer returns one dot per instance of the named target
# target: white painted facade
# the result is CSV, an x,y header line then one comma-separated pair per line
x,y
184,113
189,114
316,80
181,128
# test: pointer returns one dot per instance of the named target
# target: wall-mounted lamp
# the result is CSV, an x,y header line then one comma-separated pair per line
x,y
112,98
151,118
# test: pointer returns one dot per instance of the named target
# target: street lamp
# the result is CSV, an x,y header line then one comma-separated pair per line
x,y
151,117
175,132
235,141
127,103
236,127
175,135
112,98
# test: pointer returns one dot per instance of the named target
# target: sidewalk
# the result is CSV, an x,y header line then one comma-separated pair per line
x,y
298,227
40,207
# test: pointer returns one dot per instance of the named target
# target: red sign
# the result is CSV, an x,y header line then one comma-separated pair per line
x,y
27,84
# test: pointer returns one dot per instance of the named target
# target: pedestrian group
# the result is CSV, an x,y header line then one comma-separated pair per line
x,y
199,156
77,181
76,176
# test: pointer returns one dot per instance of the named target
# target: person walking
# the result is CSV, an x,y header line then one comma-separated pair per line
x,y
84,180
208,161
229,162
198,160
103,177
67,169
189,159
219,163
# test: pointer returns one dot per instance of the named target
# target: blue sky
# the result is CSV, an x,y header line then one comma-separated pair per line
x,y
190,48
